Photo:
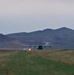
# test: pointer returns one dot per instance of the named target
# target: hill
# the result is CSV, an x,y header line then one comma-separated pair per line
x,y
62,38
7,42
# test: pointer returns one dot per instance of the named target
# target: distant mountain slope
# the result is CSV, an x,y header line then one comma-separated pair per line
x,y
58,38
4,38
7,42
46,34
62,38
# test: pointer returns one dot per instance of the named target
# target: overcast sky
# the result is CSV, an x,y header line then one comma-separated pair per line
x,y
32,15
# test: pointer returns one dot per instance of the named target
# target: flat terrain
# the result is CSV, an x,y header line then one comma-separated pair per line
x,y
37,62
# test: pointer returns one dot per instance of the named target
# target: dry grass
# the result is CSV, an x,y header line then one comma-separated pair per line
x,y
37,61
4,57
65,56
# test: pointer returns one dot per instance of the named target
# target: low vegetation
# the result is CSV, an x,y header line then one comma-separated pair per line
x,y
37,62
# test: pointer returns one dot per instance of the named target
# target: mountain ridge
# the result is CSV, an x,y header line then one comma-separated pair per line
x,y
49,29
62,38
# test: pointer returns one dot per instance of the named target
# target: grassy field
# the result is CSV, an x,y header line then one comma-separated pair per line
x,y
38,62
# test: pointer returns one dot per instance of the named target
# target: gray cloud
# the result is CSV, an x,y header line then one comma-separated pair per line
x,y
31,7
29,15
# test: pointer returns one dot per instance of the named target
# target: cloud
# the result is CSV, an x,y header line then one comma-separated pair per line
x,y
29,15
36,7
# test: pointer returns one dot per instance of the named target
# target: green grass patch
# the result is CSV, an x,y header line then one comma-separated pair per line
x,y
32,63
